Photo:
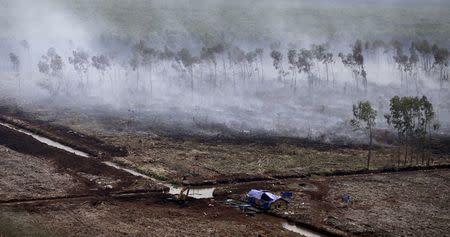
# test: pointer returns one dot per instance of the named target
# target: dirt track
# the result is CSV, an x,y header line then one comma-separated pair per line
x,y
90,173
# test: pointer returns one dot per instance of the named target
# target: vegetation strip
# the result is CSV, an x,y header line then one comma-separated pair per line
x,y
333,173
119,195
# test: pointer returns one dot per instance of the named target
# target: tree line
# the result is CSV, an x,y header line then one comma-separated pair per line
x,y
220,64
414,120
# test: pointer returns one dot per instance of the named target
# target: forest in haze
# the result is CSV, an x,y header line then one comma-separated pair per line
x,y
213,67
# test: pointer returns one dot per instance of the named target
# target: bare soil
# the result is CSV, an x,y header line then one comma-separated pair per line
x,y
407,204
27,177
90,173
392,204
47,176
197,160
384,204
147,218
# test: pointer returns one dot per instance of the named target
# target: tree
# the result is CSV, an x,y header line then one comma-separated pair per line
x,y
319,54
304,64
15,65
251,57
80,62
322,56
364,117
378,47
355,61
400,59
277,58
185,58
236,57
260,53
412,65
441,59
56,63
328,60
359,60
26,46
426,123
208,55
413,118
138,51
51,65
166,56
401,118
292,60
15,62
424,49
148,58
220,50
100,62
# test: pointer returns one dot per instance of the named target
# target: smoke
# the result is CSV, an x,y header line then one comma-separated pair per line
x,y
214,99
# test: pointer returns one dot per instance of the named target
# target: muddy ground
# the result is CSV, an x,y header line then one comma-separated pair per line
x,y
48,192
91,175
140,218
391,204
26,177
207,159
404,203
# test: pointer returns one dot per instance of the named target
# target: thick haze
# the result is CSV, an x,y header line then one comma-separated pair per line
x,y
241,98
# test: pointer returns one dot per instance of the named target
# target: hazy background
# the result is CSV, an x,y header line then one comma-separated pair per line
x,y
113,26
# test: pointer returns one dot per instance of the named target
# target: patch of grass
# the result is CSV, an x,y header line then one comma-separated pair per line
x,y
20,224
141,169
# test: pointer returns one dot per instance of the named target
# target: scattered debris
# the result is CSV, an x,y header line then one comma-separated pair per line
x,y
346,198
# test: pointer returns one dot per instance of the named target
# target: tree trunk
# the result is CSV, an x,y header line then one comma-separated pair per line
x,y
370,148
224,69
406,154
262,68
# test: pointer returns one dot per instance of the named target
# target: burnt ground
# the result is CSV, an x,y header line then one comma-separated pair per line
x,y
90,174
412,203
142,218
61,134
316,200
205,159
48,192
27,177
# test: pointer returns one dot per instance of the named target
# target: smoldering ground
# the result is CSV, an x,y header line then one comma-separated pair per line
x,y
233,90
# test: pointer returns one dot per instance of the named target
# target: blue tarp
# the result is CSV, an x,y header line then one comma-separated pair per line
x,y
259,193
261,198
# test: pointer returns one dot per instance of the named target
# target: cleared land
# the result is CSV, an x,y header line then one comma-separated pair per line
x,y
202,159
404,203
24,176
53,181
395,204
141,218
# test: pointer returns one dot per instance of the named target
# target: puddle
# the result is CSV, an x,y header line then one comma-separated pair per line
x,y
299,230
197,193
114,165
47,141
193,192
